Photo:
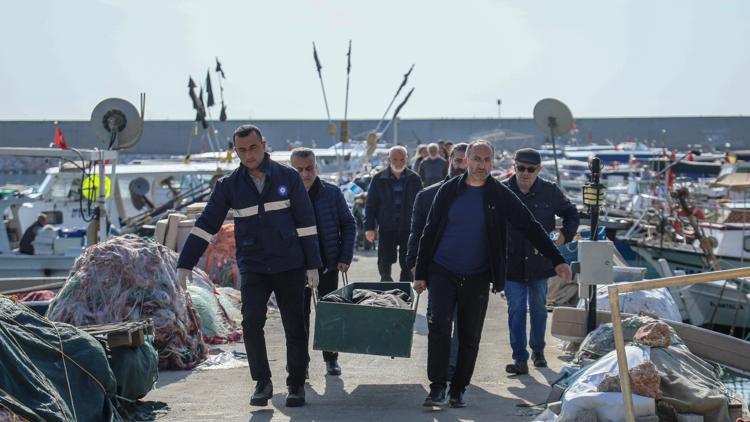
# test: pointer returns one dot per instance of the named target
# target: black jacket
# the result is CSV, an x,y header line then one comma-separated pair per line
x,y
502,209
379,208
422,205
275,230
544,200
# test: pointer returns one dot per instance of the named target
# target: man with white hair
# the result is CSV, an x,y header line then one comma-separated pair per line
x,y
434,168
390,199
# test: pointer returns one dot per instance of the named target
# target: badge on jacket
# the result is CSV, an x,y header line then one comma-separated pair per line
x,y
282,190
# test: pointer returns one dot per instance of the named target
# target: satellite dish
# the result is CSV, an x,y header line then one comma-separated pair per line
x,y
553,116
139,185
117,123
138,188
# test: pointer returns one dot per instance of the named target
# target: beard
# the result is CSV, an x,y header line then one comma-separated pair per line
x,y
397,169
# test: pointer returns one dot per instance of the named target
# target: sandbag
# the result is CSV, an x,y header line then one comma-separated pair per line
x,y
602,340
655,302
136,369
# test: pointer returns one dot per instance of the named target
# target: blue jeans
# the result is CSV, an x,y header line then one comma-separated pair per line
x,y
518,293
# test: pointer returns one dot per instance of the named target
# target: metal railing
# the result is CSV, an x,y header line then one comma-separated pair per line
x,y
615,289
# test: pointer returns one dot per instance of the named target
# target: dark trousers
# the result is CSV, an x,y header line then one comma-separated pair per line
x,y
393,244
289,288
329,282
469,295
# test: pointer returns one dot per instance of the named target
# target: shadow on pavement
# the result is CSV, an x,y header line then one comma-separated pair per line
x,y
391,402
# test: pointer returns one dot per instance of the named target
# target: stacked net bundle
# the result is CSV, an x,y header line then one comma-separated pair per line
x,y
231,299
218,323
220,260
128,278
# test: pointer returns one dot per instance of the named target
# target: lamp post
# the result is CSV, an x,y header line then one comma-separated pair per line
x,y
594,196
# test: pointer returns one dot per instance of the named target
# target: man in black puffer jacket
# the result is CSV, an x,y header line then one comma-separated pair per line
x,y
336,231
462,251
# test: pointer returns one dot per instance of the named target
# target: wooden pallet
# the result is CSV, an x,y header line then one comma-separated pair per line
x,y
124,334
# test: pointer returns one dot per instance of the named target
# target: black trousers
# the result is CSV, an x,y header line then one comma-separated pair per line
x,y
393,244
289,288
469,295
328,282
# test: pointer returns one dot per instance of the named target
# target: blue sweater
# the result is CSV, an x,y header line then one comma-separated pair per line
x,y
463,247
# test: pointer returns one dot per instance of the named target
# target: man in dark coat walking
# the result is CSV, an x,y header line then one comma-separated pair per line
x,y
390,200
461,253
336,231
528,270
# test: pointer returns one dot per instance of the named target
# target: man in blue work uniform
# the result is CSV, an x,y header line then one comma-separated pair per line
x,y
528,270
336,231
277,251
462,252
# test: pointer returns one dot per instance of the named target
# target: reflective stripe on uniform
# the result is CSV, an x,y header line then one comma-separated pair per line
x,y
277,205
246,212
307,231
201,233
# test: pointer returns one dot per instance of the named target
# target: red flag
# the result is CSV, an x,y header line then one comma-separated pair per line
x,y
60,139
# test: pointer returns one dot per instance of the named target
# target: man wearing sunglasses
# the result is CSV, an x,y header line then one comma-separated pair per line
x,y
461,253
528,270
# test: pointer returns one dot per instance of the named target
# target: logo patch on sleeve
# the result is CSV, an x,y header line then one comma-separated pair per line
x,y
282,190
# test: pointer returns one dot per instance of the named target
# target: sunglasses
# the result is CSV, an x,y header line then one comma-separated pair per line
x,y
522,169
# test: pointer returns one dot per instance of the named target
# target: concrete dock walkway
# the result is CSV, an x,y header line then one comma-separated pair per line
x,y
371,387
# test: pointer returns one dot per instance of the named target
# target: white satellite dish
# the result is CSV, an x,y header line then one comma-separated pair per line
x,y
117,123
554,117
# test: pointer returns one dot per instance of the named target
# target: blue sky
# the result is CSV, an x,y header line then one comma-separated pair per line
x,y
603,58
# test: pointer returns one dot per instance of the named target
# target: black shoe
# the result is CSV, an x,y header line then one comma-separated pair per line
x,y
333,368
518,367
296,396
539,360
457,399
436,397
263,393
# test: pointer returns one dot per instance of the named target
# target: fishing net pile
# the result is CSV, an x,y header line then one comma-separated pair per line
x,y
219,261
128,278
219,320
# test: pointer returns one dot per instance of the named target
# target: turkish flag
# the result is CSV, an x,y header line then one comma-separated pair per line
x,y
60,139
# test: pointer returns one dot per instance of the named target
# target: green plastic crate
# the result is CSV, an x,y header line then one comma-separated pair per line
x,y
363,329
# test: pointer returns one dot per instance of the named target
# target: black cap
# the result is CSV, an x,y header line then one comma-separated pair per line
x,y
528,155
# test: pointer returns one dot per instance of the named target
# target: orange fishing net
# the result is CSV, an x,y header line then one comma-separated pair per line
x,y
220,260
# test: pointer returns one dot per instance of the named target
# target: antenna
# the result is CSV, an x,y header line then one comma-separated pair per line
x,y
117,123
553,116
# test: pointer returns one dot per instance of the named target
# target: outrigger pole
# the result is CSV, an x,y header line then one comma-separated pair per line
x,y
393,100
345,123
398,109
331,125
